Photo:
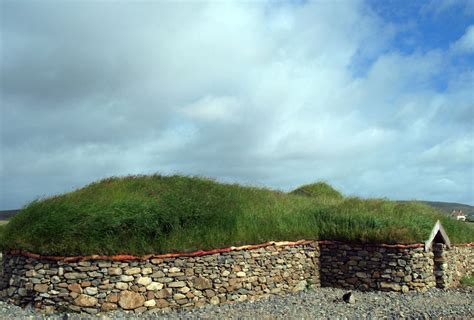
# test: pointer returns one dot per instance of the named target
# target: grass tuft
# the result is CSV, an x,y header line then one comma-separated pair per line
x,y
160,214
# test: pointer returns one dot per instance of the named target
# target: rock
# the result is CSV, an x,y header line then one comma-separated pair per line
x,y
144,281
130,300
113,298
184,290
391,286
92,291
114,271
241,274
125,278
162,303
209,293
71,275
154,286
133,271
85,301
179,296
42,288
348,297
177,284
201,283
300,286
140,310
121,286
150,303
147,270
225,273
165,293
174,270
107,306
215,300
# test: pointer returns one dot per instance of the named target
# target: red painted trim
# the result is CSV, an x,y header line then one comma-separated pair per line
x,y
159,256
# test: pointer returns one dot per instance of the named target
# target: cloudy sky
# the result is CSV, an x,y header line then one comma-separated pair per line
x,y
375,97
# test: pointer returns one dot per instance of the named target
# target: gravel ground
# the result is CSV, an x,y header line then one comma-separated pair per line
x,y
321,303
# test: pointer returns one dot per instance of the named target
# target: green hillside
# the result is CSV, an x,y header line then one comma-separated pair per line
x,y
160,214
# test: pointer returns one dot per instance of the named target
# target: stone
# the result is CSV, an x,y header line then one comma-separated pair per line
x,y
209,293
179,296
184,290
391,286
144,281
113,298
241,274
158,274
300,286
30,274
140,310
225,273
215,300
162,303
133,271
165,293
72,276
153,286
130,300
125,278
177,284
42,288
348,297
92,291
107,306
147,270
121,286
114,271
201,283
85,301
405,289
150,303
174,270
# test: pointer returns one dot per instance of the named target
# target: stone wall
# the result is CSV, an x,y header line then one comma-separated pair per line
x,y
452,264
100,285
376,267
93,284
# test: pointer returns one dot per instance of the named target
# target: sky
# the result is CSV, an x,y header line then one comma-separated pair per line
x,y
374,97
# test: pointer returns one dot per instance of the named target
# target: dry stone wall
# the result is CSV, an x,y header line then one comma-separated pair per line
x,y
376,267
452,264
99,285
95,284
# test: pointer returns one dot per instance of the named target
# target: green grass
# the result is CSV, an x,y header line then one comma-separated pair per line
x,y
3,222
160,214
468,281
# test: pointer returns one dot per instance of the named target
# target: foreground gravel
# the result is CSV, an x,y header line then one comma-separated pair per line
x,y
320,303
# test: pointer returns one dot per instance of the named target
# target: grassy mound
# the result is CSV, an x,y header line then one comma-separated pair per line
x,y
160,214
320,191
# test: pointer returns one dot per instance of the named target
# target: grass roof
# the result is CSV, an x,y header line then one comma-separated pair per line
x,y
160,214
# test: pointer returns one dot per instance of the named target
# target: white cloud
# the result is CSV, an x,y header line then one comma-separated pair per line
x,y
465,44
250,92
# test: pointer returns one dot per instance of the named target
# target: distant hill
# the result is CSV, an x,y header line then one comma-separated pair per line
x,y
7,214
448,207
